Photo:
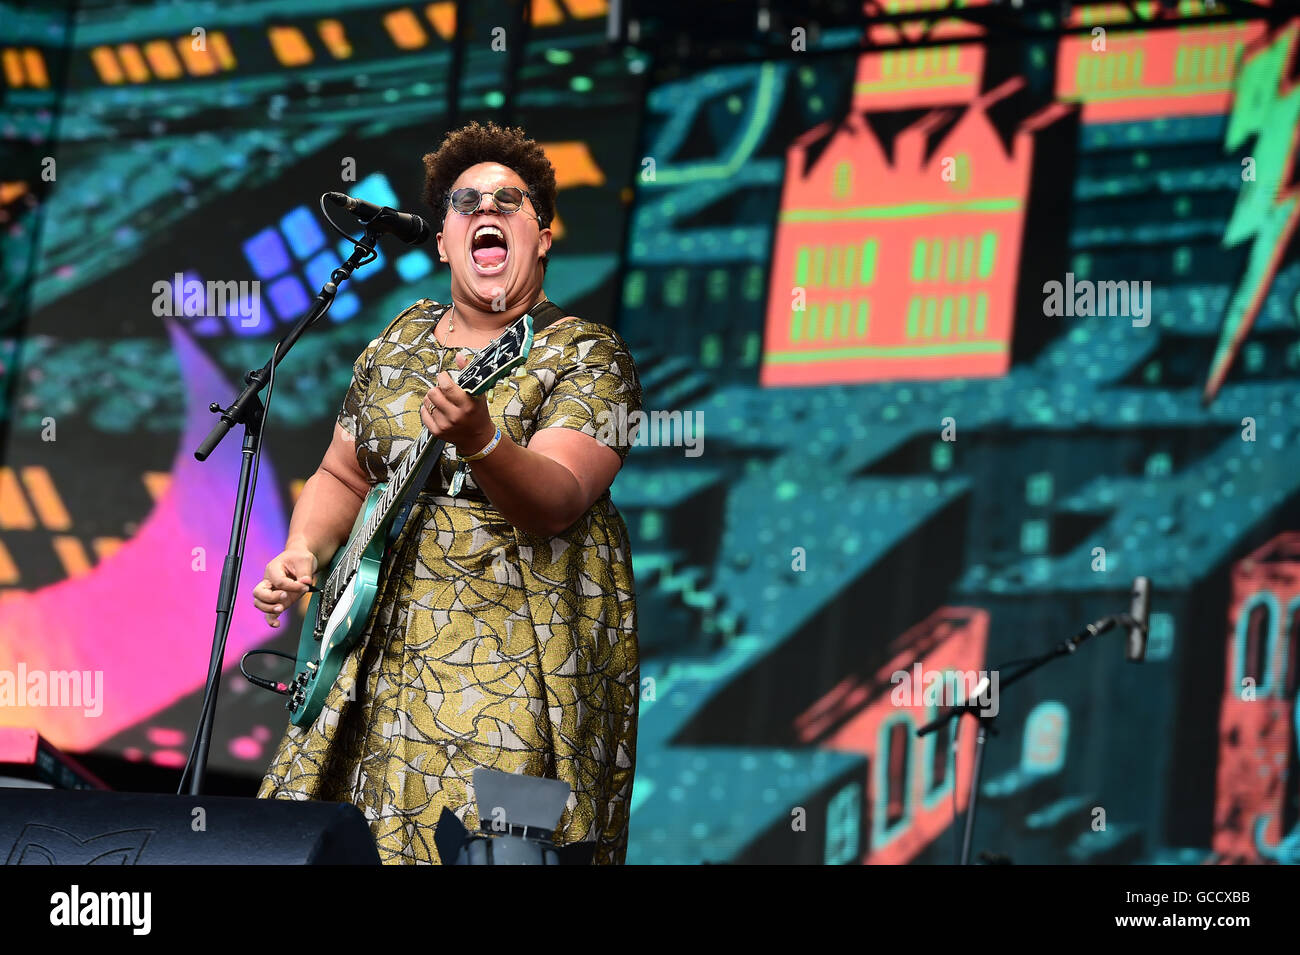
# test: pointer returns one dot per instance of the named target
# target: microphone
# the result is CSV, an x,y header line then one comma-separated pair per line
x,y
405,226
1138,619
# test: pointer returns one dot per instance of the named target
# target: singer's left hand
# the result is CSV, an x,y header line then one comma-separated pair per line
x,y
456,416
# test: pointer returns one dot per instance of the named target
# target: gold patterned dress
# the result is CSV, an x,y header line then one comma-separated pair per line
x,y
487,645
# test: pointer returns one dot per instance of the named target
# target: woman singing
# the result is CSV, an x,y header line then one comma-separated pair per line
x,y
504,631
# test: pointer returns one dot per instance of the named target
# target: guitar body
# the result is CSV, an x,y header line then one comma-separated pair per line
x,y
321,653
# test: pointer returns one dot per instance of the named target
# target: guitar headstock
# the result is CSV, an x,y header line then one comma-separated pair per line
x,y
498,359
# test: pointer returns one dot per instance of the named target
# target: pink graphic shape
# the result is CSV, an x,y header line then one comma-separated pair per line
x,y
144,616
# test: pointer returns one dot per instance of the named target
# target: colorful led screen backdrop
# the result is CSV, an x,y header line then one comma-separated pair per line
x,y
941,347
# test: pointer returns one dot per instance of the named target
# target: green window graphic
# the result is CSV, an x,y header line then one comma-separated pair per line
x,y
718,284
843,835
919,260
842,184
1033,537
988,254
927,316
1038,489
868,270
936,259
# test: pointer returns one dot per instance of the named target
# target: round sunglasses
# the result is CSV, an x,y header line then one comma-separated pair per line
x,y
507,199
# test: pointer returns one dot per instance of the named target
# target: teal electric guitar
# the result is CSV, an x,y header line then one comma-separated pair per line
x,y
340,607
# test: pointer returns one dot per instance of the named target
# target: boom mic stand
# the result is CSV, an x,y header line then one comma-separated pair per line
x,y
247,409
984,723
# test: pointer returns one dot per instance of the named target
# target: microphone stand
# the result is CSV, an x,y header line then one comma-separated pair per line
x,y
984,723
247,409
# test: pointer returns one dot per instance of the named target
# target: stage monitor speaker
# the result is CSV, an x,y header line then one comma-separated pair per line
x,y
55,827
27,755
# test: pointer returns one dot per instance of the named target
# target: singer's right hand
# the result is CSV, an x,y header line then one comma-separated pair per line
x,y
288,576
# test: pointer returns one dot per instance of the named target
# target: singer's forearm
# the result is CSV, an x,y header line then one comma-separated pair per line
x,y
533,492
544,488
323,516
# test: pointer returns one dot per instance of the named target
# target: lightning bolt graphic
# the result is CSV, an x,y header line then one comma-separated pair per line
x,y
1268,209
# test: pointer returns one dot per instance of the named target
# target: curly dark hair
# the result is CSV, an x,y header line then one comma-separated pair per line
x,y
474,143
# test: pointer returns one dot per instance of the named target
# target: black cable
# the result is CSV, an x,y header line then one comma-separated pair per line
x,y
275,686
335,226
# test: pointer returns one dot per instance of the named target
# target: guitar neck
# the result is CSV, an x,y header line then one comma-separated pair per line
x,y
400,482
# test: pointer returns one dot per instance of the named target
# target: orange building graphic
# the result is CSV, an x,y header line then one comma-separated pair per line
x,y
910,780
1153,74
900,260
1257,769
922,76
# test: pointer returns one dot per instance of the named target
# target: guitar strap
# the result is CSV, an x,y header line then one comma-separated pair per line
x,y
544,313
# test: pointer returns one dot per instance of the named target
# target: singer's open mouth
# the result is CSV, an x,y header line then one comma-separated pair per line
x,y
489,250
